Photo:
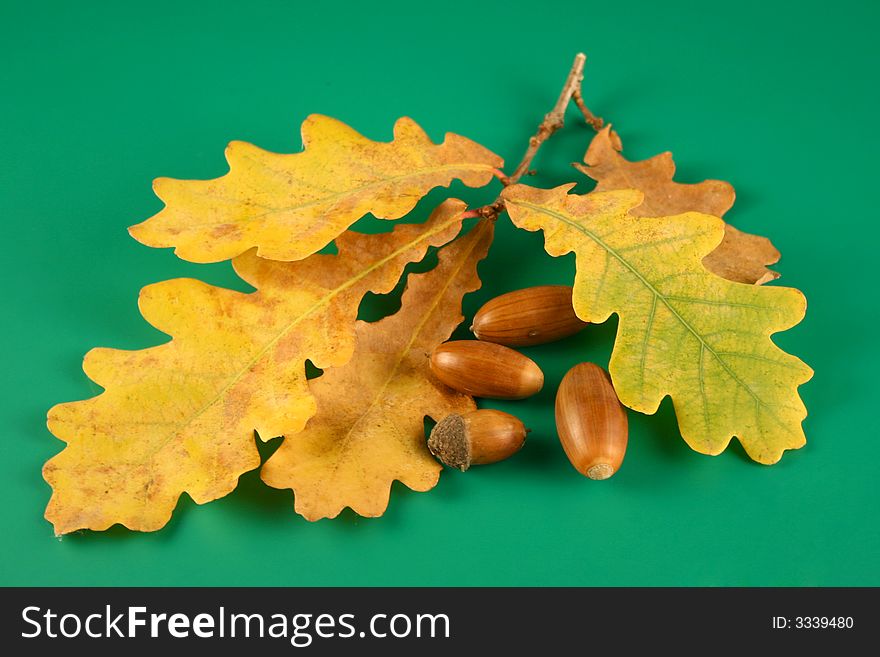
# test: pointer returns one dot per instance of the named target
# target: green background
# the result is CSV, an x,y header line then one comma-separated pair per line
x,y
778,98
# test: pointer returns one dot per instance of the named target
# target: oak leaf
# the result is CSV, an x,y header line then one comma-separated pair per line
x,y
292,205
181,416
739,257
369,429
683,332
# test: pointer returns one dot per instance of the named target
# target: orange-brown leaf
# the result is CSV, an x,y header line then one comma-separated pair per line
x,y
292,205
740,256
181,417
369,430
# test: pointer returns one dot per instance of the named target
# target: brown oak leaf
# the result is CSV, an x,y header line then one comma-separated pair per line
x,y
740,256
368,430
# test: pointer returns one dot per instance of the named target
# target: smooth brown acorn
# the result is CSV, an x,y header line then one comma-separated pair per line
x,y
591,421
484,369
476,438
534,315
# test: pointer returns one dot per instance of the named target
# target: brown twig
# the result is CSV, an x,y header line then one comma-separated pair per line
x,y
595,122
553,121
490,211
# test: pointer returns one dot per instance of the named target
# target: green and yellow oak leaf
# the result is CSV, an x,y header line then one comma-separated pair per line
x,y
683,332
180,417
368,430
292,205
739,257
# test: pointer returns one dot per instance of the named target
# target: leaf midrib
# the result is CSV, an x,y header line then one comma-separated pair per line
x,y
342,194
401,355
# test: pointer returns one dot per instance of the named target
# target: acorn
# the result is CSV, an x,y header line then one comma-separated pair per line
x,y
484,369
476,438
591,421
534,315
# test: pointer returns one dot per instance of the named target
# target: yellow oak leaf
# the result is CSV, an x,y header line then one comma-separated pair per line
x,y
292,205
180,417
739,257
368,430
683,332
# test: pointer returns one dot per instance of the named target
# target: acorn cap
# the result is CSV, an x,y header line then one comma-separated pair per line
x,y
448,442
